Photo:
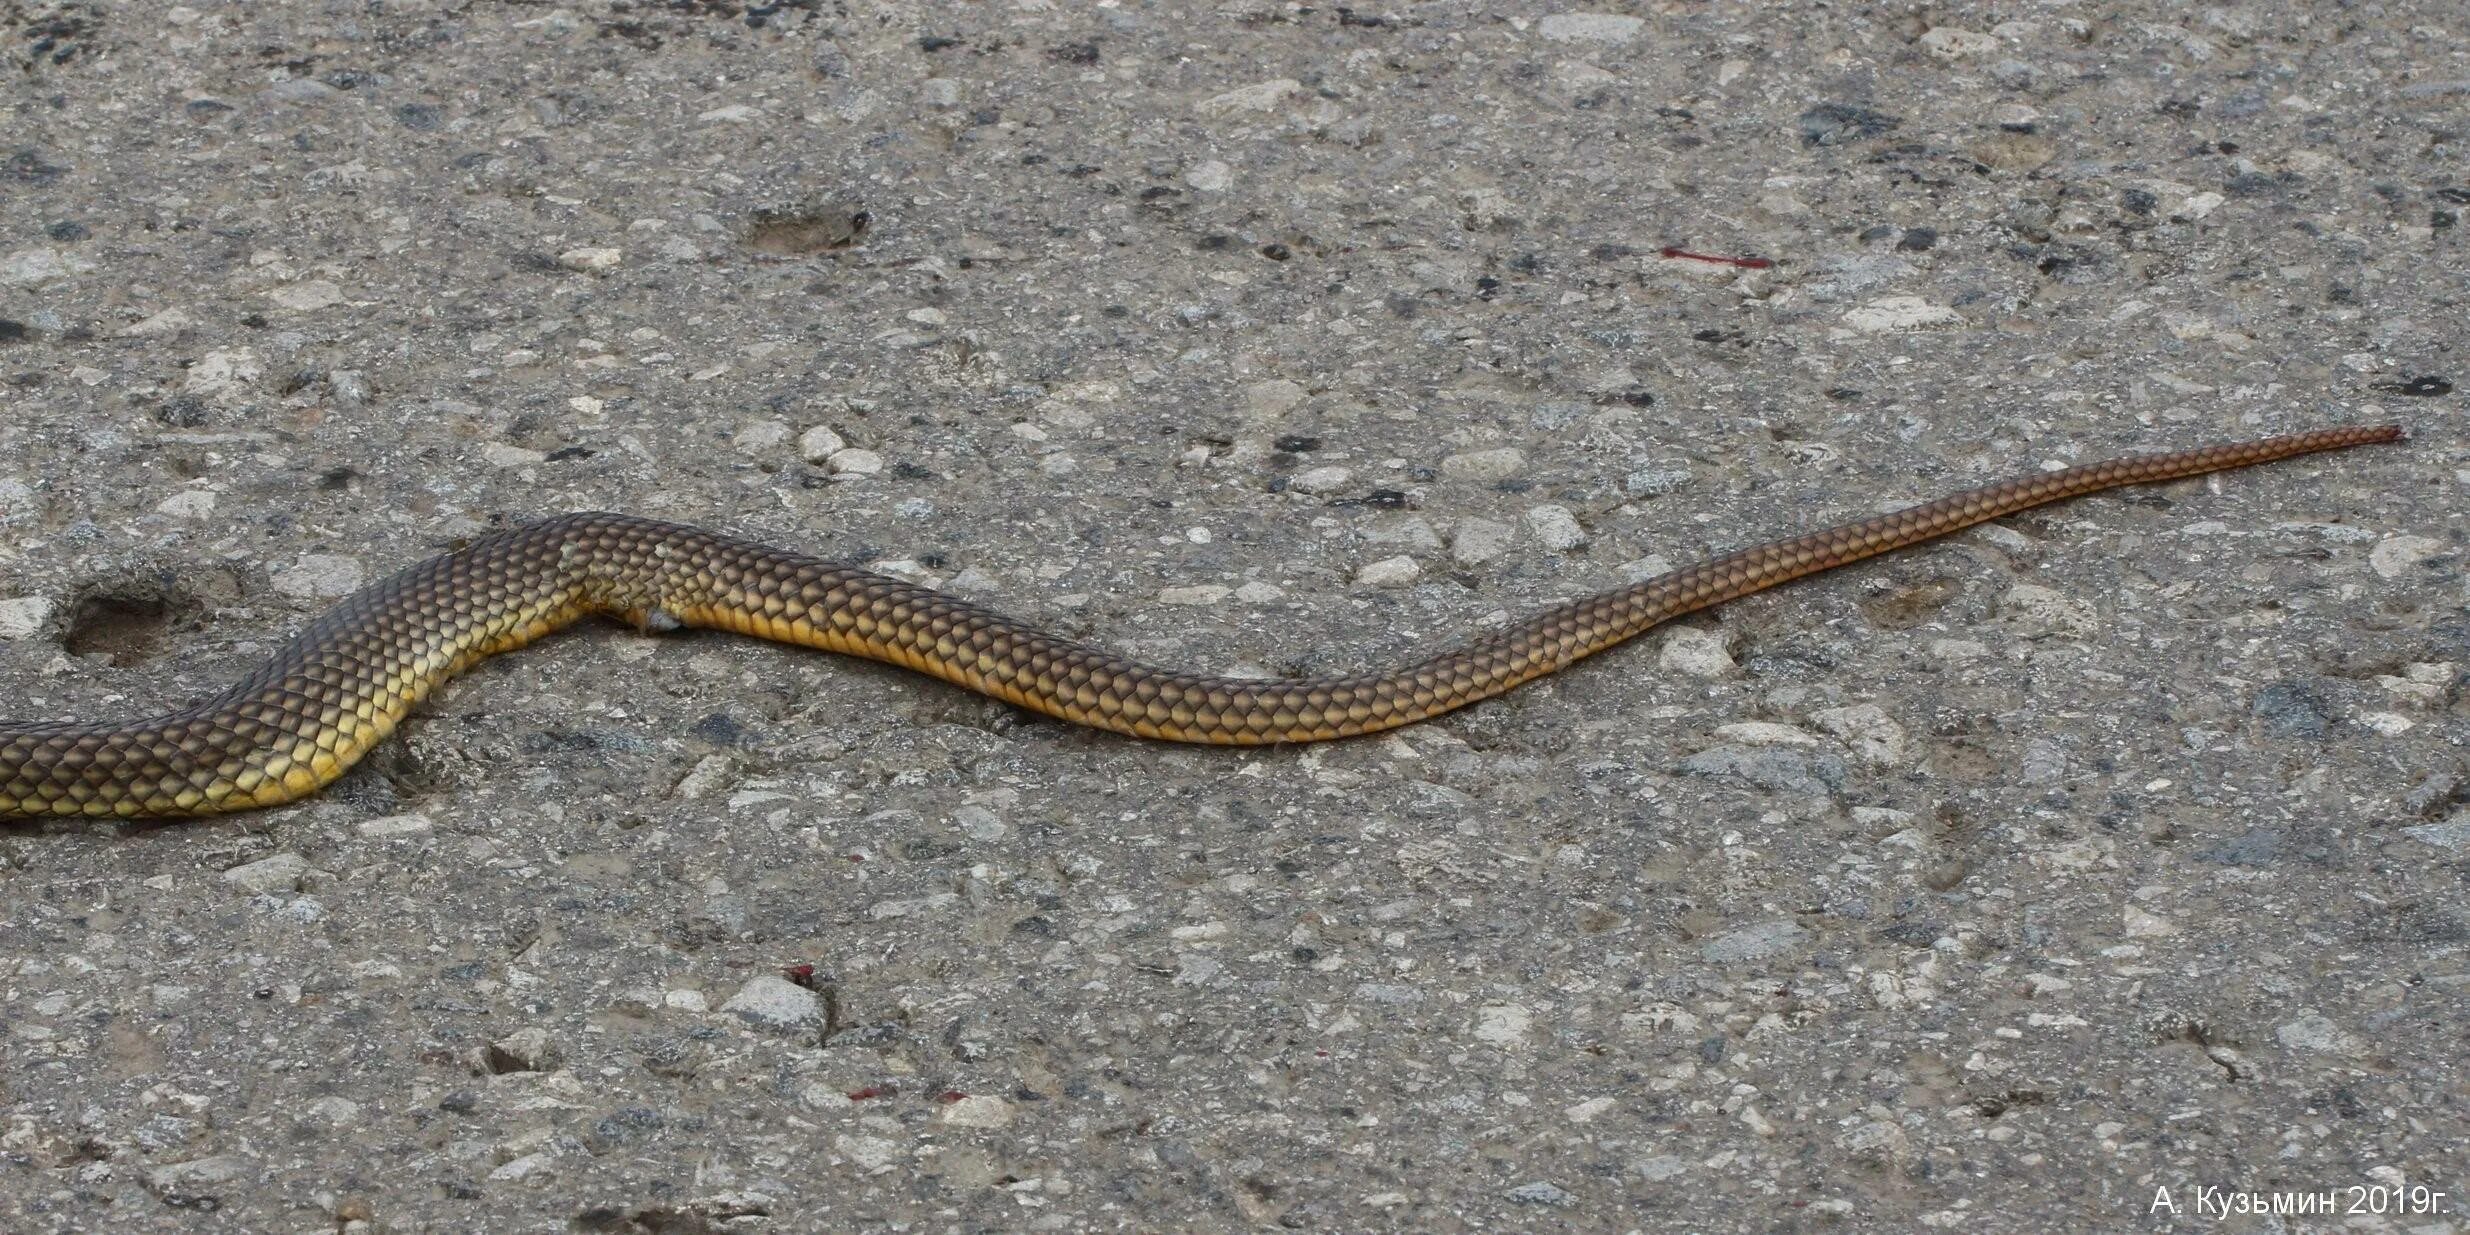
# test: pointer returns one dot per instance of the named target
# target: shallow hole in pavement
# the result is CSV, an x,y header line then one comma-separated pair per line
x,y
125,627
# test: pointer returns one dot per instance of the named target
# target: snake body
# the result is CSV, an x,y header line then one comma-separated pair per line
x,y
343,684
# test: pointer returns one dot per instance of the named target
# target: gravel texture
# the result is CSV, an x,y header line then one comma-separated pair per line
x,y
2043,878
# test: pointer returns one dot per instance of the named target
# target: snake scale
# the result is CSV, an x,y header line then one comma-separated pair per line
x,y
344,683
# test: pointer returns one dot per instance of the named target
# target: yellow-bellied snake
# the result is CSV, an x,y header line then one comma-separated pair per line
x,y
342,685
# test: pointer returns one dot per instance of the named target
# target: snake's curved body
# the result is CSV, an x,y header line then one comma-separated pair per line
x,y
347,681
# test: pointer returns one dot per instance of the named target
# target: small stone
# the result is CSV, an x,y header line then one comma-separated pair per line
x,y
1273,398
1953,43
2453,834
188,504
1773,768
2398,555
225,374
1198,594
1259,592
819,444
2142,923
1321,480
1874,736
24,617
2317,1032
590,260
1389,572
2035,611
32,268
1210,176
1556,527
2291,710
1477,541
301,90
530,1168
281,873
1696,652
976,1111
1258,97
397,827
320,575
768,1002
499,454
1503,1024
1484,467
307,297
1412,533
760,437
1757,941
1606,29
524,1050
855,462
1654,481
197,1183
1539,1192
1898,314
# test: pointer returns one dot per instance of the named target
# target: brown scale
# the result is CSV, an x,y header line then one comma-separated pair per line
x,y
345,683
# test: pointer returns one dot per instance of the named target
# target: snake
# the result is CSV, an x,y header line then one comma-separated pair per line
x,y
348,680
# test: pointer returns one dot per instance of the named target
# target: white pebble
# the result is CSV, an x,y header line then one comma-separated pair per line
x,y
1210,176
591,260
855,462
1607,29
1477,541
775,1003
280,873
1389,572
1698,653
1484,466
976,1111
1320,480
188,504
819,443
320,575
760,437
23,617
1556,527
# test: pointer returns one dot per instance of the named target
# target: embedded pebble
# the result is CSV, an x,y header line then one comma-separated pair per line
x,y
2396,556
1477,541
1258,97
1556,527
775,1003
188,504
2035,611
1485,466
282,872
1874,736
524,1050
320,575
1654,481
591,260
397,827
1896,314
24,616
854,461
306,297
1540,1193
1210,176
33,268
819,444
2317,1032
1607,29
2453,834
1755,942
976,1111
1389,572
1199,594
760,437
1697,652
1409,532
1321,480
1954,43
1503,1024
500,454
